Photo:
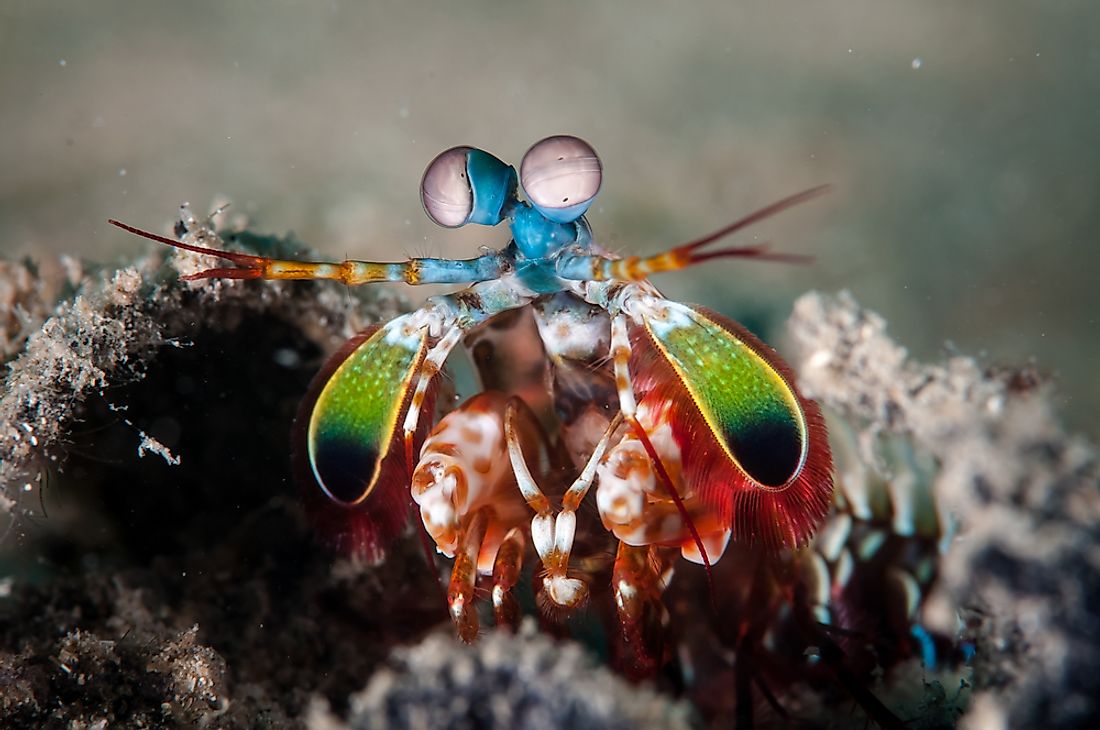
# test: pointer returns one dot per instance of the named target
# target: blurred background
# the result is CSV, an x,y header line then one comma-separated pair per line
x,y
961,140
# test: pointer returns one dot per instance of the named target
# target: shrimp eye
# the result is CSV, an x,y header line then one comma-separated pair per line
x,y
466,185
561,176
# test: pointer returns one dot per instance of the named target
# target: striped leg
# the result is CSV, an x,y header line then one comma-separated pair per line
x,y
433,363
460,594
620,357
461,598
506,571
638,579
553,534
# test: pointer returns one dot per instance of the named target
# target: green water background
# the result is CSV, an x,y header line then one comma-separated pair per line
x,y
961,138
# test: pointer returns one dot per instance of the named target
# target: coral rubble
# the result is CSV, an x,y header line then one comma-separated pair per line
x,y
185,589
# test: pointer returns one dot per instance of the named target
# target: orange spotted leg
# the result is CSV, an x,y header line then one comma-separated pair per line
x,y
469,504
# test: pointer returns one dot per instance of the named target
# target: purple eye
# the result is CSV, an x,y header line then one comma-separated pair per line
x,y
445,190
561,176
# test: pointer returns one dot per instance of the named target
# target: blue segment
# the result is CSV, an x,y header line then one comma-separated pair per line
x,y
968,651
927,646
536,237
454,271
584,233
538,277
483,300
575,268
493,184
565,215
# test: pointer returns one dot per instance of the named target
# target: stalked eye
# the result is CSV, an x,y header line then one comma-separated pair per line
x,y
561,176
445,189
466,185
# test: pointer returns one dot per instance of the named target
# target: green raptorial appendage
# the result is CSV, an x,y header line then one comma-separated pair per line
x,y
750,408
352,424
